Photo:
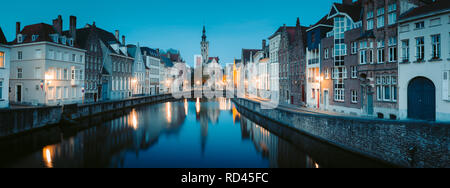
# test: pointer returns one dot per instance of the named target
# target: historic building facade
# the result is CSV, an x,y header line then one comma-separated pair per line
x,y
152,62
88,39
314,55
5,55
47,67
297,65
424,63
341,85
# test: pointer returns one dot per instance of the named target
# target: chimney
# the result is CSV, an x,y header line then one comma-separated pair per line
x,y
17,28
263,44
347,2
73,27
123,40
57,24
157,51
117,35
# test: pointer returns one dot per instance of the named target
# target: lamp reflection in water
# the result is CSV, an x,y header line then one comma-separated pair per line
x,y
47,154
186,107
197,105
236,115
134,120
169,112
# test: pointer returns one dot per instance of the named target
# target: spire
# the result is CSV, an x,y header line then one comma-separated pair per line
x,y
298,21
204,33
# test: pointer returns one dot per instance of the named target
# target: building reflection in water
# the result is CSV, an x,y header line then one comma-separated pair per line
x,y
109,144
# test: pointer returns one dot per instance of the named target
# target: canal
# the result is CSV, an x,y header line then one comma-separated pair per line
x,y
179,134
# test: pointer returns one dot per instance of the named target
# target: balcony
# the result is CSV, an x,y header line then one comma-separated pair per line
x,y
313,61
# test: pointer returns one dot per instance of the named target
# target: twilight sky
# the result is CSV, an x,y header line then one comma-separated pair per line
x,y
230,24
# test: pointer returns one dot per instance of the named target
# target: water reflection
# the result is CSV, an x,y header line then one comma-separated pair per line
x,y
215,134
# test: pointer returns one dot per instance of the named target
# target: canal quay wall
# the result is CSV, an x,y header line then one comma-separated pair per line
x,y
18,121
400,143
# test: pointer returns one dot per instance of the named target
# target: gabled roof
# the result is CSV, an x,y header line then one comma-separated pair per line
x,y
439,5
2,37
211,59
354,11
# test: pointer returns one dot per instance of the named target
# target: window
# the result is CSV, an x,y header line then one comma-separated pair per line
x,y
19,73
19,55
392,54
73,74
38,53
446,85
392,7
420,49
354,73
63,40
2,59
66,92
370,56
66,74
1,88
37,73
327,73
392,18
420,25
34,37
51,92
19,38
362,57
436,46
81,59
326,53
354,96
370,20
354,47
386,88
405,51
380,55
71,42
313,93
73,57
380,18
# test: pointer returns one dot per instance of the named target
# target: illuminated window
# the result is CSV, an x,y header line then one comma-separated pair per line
x,y
2,60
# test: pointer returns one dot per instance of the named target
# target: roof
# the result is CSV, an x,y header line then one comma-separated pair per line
x,y
439,5
354,10
211,59
43,31
247,53
2,37
323,21
150,52
167,62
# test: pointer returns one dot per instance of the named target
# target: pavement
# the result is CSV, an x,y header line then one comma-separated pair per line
x,y
301,109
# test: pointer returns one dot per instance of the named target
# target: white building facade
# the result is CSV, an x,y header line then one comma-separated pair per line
x,y
274,74
424,65
5,55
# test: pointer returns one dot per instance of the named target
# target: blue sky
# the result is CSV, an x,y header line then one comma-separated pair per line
x,y
231,24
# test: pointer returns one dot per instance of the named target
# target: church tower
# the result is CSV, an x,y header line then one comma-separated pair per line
x,y
204,47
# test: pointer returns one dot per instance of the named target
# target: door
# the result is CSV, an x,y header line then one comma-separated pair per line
x,y
292,99
325,99
19,93
422,99
370,103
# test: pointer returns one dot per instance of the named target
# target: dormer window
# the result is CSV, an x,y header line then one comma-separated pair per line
x,y
63,40
71,42
34,37
19,38
54,38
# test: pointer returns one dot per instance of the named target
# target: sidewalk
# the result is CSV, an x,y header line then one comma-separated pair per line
x,y
301,109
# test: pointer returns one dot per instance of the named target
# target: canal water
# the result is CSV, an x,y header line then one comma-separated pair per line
x,y
181,134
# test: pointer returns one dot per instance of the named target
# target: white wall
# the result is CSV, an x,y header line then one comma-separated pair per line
x,y
4,76
432,70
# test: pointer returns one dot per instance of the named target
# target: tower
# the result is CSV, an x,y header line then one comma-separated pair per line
x,y
204,47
